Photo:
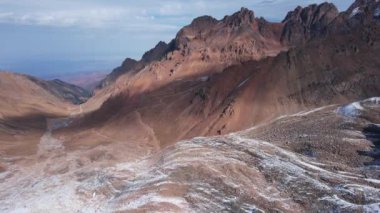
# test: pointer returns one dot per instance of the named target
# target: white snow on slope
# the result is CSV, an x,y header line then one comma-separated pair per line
x,y
356,108
377,12
214,174
351,110
355,12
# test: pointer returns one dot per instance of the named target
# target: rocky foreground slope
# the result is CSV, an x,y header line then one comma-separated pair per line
x,y
321,160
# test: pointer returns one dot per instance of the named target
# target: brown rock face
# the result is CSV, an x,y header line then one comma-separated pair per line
x,y
243,17
363,11
303,24
236,38
198,26
158,52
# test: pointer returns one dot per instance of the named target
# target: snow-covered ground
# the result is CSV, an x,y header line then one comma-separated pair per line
x,y
199,175
356,108
231,173
377,12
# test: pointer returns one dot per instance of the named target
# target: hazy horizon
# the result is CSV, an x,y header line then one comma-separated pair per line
x,y
56,37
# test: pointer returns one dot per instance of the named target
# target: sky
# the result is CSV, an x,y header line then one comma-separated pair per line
x,y
49,37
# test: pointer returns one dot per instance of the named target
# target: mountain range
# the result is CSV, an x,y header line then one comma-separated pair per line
x,y
237,115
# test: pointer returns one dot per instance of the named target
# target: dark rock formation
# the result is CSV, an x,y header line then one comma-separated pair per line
x,y
198,26
244,16
303,24
63,90
156,53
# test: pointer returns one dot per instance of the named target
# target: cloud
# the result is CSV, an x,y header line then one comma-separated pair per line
x,y
64,18
174,8
268,1
117,13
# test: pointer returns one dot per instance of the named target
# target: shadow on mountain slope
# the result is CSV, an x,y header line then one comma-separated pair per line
x,y
372,133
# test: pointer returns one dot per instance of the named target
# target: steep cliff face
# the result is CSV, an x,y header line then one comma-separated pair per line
x,y
158,52
302,24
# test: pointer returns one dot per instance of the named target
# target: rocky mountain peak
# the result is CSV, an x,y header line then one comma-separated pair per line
x,y
244,16
157,52
363,3
203,22
197,27
312,14
129,62
302,24
369,8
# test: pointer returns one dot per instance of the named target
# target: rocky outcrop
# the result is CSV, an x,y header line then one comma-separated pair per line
x,y
199,27
129,65
158,52
302,24
363,10
243,17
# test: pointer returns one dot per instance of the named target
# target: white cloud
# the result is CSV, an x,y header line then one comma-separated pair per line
x,y
64,18
175,8
117,13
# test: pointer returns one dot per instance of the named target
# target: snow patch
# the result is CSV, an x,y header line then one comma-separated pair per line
x,y
355,12
377,12
374,100
304,113
48,143
354,109
351,110
153,198
204,78
372,207
347,206
243,82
